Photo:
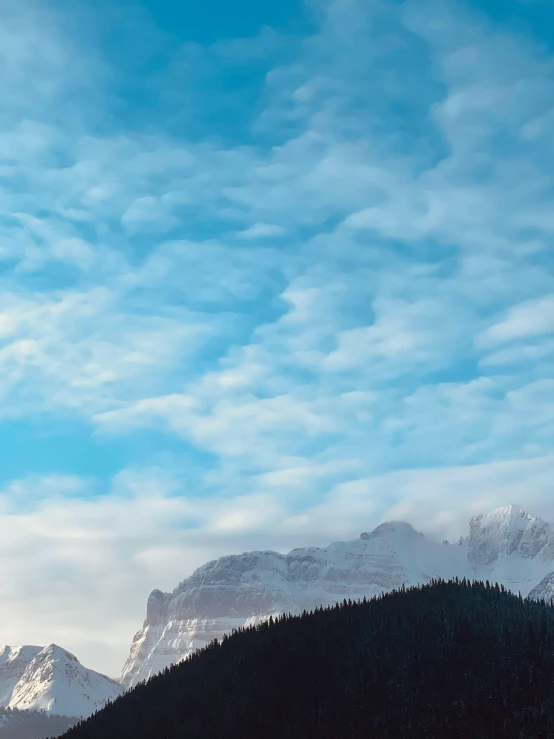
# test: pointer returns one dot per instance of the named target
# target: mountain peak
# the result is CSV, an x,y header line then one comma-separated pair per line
x,y
509,513
506,545
56,681
53,651
398,528
506,531
51,679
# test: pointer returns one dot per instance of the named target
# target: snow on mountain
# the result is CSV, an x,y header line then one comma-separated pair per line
x,y
53,680
507,531
545,589
13,663
506,545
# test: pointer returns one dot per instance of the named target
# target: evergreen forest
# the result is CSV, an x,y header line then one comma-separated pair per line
x,y
29,724
448,659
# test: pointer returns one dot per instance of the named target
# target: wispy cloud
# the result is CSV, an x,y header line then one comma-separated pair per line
x,y
261,231
526,320
319,263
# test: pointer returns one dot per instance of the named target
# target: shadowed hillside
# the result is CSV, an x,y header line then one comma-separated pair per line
x,y
31,724
450,659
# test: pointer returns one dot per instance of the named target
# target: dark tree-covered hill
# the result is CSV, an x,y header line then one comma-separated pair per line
x,y
31,724
450,659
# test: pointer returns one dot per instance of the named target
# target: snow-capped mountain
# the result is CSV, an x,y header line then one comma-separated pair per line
x,y
13,663
53,680
506,545
506,531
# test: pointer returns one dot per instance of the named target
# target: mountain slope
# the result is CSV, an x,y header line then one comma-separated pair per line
x,y
507,531
13,663
442,660
507,545
544,590
53,680
245,589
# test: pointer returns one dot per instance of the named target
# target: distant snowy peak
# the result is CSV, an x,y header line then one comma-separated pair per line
x,y
392,528
52,679
507,545
506,531
247,588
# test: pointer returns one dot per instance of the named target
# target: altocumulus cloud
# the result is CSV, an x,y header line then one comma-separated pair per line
x,y
333,309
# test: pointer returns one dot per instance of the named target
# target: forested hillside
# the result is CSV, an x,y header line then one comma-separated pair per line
x,y
450,659
31,724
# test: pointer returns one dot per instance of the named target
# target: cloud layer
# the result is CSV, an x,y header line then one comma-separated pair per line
x,y
276,289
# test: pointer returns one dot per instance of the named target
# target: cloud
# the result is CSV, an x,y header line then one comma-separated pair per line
x,y
526,320
261,230
79,351
403,334
148,214
300,279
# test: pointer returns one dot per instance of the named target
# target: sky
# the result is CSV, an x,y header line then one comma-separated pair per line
x,y
270,274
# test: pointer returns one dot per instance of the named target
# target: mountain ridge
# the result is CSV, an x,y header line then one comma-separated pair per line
x,y
52,679
507,545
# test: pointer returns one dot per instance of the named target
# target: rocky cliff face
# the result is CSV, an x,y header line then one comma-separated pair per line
x,y
53,680
507,545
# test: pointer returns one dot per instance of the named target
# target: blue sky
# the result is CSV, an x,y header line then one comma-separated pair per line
x,y
270,274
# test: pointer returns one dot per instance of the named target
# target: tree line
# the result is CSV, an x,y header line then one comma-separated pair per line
x,y
448,659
